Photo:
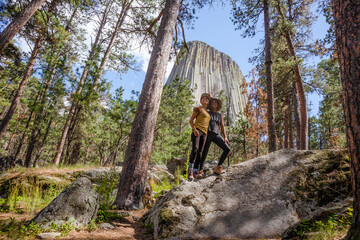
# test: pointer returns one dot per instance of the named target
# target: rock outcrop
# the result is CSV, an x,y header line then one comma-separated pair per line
x,y
211,71
77,204
260,198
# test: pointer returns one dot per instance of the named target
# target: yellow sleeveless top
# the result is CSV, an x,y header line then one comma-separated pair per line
x,y
202,120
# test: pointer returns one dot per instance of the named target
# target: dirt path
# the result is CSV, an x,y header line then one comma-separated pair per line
x,y
127,228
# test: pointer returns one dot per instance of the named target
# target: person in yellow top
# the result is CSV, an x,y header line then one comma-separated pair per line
x,y
198,136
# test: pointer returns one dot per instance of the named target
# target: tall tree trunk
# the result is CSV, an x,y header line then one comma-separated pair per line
x,y
24,133
124,10
74,102
269,81
19,93
347,30
296,115
42,143
286,124
291,127
13,134
18,23
300,88
39,119
302,98
133,175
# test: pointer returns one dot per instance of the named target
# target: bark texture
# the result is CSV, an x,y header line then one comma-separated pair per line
x,y
133,177
347,29
269,81
18,23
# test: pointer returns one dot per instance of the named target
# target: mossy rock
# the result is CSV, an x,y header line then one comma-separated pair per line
x,y
167,220
323,180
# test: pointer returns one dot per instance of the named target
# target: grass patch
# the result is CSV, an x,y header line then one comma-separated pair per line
x,y
29,197
320,230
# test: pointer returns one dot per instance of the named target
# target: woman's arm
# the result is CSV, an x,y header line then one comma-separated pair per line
x,y
223,130
193,116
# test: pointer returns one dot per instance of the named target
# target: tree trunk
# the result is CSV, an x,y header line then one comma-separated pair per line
x,y
300,88
18,23
302,98
74,101
347,30
19,93
13,134
269,81
286,124
133,176
291,133
125,8
39,119
296,115
42,143
24,133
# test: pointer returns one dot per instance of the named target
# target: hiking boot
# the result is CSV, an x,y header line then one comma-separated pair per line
x,y
200,175
218,170
190,174
196,174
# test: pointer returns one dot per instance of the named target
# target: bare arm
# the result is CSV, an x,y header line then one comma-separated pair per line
x,y
223,130
193,116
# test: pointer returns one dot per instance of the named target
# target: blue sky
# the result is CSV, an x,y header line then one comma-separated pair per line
x,y
215,28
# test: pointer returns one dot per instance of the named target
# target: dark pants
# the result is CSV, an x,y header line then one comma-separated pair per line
x,y
198,144
220,142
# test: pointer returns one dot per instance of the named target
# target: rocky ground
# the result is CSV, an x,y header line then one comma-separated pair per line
x,y
260,198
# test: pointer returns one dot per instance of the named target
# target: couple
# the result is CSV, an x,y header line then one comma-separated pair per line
x,y
206,130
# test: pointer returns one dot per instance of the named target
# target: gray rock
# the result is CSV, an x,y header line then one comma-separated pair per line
x,y
77,204
53,179
160,176
97,175
211,71
174,163
107,226
49,235
260,198
209,165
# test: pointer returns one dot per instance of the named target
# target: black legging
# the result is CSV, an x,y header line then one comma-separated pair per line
x,y
198,144
218,140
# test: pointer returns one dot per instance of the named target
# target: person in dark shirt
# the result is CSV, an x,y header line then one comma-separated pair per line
x,y
214,135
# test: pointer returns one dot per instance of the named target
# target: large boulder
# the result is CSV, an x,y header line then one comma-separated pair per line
x,y
77,204
260,198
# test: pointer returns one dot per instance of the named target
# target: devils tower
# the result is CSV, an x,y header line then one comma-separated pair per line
x,y
211,71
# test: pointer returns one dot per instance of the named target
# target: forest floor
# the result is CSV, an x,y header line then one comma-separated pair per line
x,y
126,228
129,226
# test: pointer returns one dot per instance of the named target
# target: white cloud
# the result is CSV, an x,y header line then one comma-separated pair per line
x,y
143,57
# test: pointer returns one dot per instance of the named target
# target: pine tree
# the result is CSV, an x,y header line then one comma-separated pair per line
x,y
347,29
133,176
